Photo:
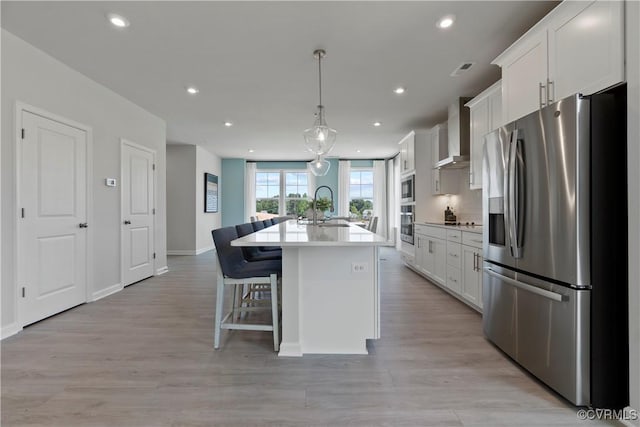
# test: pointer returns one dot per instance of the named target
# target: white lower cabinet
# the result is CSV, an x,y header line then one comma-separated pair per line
x,y
472,275
451,259
431,257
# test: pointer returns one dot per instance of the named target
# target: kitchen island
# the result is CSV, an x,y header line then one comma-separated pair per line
x,y
330,285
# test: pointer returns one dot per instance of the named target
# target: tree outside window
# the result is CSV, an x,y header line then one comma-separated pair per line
x,y
361,193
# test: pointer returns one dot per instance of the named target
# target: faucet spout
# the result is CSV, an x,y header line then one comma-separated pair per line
x,y
315,199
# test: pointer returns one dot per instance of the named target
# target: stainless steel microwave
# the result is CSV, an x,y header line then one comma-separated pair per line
x,y
407,189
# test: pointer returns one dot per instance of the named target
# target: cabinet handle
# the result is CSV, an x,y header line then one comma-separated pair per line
x,y
453,255
418,243
470,176
541,92
477,241
430,250
452,279
405,165
437,185
474,262
549,92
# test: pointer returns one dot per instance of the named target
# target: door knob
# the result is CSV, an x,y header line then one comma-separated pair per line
x,y
127,222
83,225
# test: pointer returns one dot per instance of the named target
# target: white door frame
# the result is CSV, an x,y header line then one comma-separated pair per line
x,y
19,109
123,142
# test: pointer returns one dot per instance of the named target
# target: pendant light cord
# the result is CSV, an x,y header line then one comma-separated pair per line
x,y
320,77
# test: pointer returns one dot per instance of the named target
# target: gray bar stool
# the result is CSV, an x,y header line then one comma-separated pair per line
x,y
233,269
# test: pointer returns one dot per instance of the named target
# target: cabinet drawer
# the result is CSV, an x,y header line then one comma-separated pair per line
x,y
427,230
454,235
453,279
407,258
472,239
454,251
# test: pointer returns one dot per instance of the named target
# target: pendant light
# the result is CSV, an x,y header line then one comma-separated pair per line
x,y
319,166
320,138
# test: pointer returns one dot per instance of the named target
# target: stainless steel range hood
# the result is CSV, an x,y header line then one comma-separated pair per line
x,y
453,162
459,136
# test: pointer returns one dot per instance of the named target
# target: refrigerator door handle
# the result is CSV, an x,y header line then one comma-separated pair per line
x,y
524,286
514,196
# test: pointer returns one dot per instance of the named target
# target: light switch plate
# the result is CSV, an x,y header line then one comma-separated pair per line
x,y
110,182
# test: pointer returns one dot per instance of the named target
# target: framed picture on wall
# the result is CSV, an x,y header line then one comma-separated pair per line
x,y
210,193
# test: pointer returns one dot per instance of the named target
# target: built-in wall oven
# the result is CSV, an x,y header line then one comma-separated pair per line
x,y
407,189
406,223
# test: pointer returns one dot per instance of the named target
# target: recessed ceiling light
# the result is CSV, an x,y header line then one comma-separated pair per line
x,y
377,124
251,150
446,21
398,90
228,124
192,90
358,151
118,21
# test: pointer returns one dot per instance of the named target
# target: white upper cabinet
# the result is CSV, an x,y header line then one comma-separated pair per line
x,y
586,48
524,75
485,116
439,142
577,48
407,153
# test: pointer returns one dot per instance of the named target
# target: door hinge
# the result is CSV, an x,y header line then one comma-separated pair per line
x,y
154,255
24,292
22,212
22,133
153,167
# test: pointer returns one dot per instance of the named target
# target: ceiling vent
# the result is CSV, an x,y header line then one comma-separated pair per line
x,y
462,68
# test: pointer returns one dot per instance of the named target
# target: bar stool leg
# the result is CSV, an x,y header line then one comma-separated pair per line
x,y
219,306
275,312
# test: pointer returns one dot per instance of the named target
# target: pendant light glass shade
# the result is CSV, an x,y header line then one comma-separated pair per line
x,y
320,138
319,166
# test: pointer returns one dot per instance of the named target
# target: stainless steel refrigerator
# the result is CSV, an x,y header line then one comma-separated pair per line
x,y
555,278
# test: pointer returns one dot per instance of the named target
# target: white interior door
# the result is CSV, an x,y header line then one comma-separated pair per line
x,y
52,243
138,210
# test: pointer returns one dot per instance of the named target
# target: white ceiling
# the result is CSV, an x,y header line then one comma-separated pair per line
x,y
253,64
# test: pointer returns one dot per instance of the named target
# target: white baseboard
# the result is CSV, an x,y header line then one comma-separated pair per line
x,y
180,252
9,330
203,250
162,270
106,292
189,252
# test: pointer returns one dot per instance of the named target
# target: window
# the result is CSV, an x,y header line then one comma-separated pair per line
x,y
268,192
296,198
282,192
361,193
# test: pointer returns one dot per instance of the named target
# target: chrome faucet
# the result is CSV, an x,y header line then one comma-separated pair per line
x,y
315,199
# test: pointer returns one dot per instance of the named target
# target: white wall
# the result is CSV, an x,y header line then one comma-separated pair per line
x,y
31,76
188,226
181,199
633,147
205,222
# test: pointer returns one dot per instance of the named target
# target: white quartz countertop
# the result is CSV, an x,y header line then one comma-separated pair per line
x,y
470,228
292,233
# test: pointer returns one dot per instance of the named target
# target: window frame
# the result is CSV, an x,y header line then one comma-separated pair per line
x,y
282,196
361,169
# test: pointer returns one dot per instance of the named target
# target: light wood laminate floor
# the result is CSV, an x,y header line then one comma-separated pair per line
x,y
145,357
